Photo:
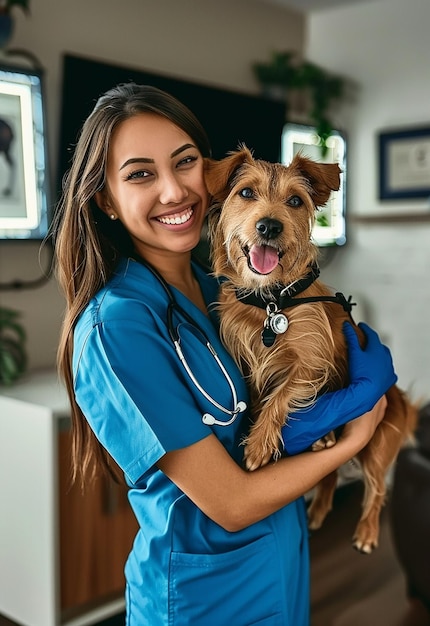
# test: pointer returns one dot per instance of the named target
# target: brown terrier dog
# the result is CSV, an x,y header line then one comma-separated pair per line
x,y
260,227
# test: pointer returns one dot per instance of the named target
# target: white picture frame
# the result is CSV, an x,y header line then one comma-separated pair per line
x,y
23,162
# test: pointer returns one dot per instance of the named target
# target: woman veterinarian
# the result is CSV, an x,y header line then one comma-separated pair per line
x,y
217,545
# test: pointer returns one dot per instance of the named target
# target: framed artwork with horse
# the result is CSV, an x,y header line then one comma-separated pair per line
x,y
23,163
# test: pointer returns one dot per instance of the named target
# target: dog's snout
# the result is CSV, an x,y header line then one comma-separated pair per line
x,y
269,228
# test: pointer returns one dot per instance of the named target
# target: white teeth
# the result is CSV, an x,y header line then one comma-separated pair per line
x,y
176,219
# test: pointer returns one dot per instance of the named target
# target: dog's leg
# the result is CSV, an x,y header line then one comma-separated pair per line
x,y
322,501
262,443
375,460
264,440
366,534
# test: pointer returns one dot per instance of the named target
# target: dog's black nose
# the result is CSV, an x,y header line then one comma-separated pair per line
x,y
269,228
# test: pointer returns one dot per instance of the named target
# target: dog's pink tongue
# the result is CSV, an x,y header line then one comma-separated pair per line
x,y
263,259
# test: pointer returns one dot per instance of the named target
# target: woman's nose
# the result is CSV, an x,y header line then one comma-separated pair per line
x,y
172,189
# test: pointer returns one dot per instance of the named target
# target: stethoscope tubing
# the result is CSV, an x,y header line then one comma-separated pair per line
x,y
239,406
200,388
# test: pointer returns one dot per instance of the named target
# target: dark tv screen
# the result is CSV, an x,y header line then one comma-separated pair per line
x,y
229,117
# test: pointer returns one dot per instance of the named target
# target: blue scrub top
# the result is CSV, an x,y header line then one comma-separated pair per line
x,y
184,569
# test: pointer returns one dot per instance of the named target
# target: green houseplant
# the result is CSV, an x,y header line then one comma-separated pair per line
x,y
278,75
13,357
285,72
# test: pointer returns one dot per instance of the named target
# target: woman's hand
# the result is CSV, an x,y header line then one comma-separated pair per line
x,y
361,430
371,373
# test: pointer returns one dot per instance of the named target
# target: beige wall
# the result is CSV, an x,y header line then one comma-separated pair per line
x,y
214,42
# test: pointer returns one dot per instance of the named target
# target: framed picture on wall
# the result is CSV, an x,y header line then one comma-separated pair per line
x,y
23,167
404,163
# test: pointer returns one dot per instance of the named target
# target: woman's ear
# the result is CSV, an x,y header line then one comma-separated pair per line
x,y
104,205
102,201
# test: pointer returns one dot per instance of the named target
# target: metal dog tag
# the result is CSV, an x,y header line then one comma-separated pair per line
x,y
276,323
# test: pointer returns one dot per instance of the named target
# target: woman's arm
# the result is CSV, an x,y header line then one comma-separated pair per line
x,y
235,498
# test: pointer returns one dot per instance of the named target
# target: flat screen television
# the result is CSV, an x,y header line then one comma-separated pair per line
x,y
24,184
229,117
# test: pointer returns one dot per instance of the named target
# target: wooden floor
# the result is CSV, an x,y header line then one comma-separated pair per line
x,y
349,588
353,589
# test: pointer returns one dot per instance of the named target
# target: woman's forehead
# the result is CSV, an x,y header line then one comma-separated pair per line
x,y
149,132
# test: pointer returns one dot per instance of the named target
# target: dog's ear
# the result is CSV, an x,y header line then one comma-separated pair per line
x,y
219,174
323,178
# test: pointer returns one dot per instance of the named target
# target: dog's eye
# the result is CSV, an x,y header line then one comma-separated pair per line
x,y
295,201
247,193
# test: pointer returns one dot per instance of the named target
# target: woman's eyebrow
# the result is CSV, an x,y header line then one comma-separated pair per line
x,y
136,160
148,160
181,149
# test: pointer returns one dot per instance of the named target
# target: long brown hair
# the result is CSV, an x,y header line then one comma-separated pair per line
x,y
88,245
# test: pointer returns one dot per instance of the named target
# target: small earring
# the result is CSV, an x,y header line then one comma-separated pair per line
x,y
112,216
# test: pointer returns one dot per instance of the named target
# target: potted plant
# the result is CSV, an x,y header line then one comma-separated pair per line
x,y
13,357
278,75
284,71
6,18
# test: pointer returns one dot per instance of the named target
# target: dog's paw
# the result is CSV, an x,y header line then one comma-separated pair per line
x,y
328,441
255,458
365,547
365,538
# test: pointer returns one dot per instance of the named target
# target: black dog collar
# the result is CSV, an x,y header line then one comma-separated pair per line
x,y
276,322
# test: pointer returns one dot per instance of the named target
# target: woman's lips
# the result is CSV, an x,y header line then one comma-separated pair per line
x,y
176,219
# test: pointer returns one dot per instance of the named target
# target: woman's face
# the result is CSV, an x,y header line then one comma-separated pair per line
x,y
155,186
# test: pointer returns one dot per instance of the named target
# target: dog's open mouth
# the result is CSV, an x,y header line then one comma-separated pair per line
x,y
262,259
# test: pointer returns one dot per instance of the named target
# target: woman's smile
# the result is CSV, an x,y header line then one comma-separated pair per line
x,y
178,218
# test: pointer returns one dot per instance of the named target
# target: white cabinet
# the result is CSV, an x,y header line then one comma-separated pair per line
x,y
51,536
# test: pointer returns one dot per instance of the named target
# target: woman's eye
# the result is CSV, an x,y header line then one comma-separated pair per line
x,y
136,175
247,193
187,160
295,201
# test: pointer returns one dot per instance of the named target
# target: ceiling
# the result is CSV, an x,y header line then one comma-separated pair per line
x,y
305,6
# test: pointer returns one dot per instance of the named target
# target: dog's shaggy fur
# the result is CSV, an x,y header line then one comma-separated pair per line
x,y
260,227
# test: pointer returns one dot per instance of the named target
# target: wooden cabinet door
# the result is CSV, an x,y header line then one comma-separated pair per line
x,y
97,529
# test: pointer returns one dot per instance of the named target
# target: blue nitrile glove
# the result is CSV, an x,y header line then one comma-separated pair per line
x,y
371,373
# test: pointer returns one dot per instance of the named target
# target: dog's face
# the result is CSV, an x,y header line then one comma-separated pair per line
x,y
262,216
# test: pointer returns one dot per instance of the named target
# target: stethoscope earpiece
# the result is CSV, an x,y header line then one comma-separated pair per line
x,y
208,419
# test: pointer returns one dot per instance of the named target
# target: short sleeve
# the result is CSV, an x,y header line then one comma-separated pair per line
x,y
129,385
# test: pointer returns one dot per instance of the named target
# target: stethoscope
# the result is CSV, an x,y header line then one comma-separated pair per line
x,y
207,418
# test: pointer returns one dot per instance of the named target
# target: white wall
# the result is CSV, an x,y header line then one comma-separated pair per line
x,y
384,46
214,42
